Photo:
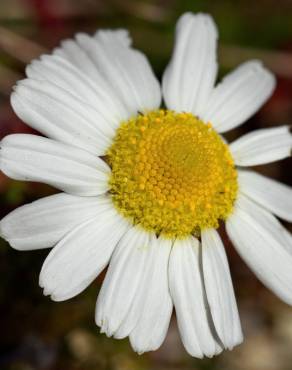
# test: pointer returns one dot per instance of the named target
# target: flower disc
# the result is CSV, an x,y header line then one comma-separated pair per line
x,y
171,173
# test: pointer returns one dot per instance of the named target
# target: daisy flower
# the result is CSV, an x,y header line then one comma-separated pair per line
x,y
145,186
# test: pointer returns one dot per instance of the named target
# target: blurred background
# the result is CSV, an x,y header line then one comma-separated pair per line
x,y
39,334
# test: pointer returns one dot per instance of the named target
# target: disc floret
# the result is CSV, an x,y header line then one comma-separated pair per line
x,y
171,173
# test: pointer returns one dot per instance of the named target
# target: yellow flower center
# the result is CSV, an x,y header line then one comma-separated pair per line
x,y
171,173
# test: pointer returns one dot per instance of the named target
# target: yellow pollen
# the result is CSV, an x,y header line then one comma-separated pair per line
x,y
171,174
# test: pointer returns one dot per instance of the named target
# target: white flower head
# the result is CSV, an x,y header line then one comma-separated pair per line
x,y
144,188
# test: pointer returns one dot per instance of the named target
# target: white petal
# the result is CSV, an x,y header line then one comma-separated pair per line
x,y
268,221
187,291
78,258
122,280
240,94
60,115
191,73
219,289
76,55
253,232
262,146
156,304
271,194
71,51
125,70
121,34
41,224
76,81
34,158
134,297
